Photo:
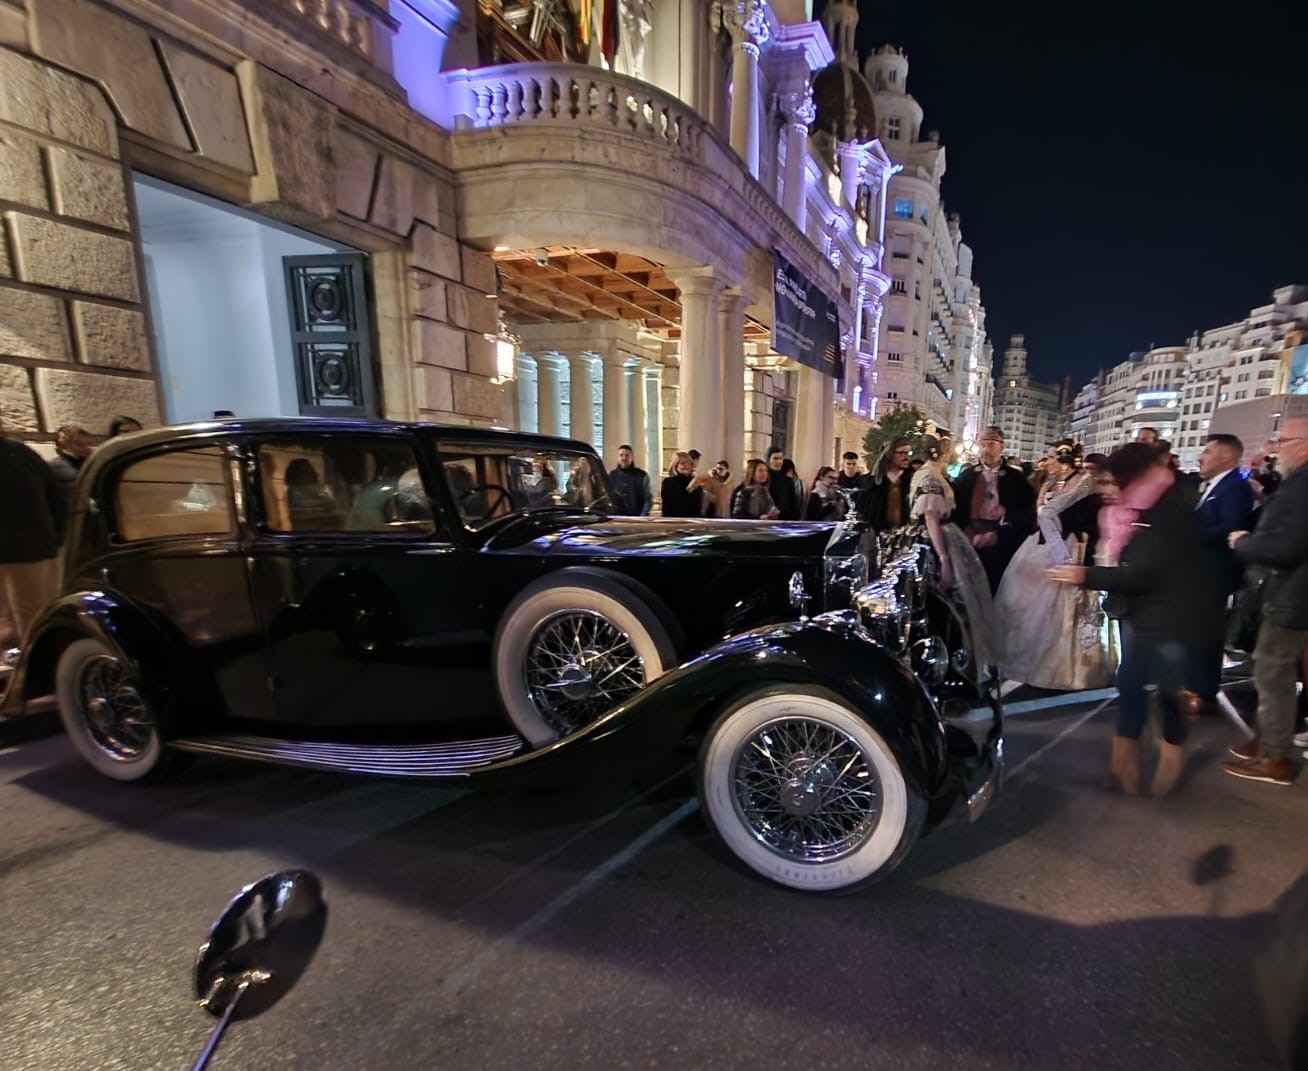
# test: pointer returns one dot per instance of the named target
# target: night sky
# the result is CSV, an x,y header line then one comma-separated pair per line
x,y
1125,175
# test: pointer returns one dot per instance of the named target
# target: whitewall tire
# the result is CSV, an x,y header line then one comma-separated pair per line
x,y
572,647
106,714
806,793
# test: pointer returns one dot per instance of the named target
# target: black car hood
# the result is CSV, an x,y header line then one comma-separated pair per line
x,y
570,533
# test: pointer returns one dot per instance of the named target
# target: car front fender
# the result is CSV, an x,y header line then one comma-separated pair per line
x,y
830,652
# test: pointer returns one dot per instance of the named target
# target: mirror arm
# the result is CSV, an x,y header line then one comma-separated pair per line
x,y
221,1026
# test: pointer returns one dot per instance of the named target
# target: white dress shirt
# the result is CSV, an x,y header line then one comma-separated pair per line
x,y
1211,486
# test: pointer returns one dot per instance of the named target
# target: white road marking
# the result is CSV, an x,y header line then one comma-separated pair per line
x,y
1029,706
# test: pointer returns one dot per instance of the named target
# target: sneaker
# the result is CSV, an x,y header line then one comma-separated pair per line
x,y
1301,740
1247,750
1273,771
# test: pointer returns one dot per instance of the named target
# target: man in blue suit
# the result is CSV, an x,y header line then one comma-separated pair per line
x,y
1225,499
1225,505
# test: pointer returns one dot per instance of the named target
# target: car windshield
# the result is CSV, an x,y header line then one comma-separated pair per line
x,y
489,482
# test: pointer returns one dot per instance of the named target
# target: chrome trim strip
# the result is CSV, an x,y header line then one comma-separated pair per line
x,y
419,760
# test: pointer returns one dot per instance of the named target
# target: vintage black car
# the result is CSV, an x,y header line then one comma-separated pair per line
x,y
411,600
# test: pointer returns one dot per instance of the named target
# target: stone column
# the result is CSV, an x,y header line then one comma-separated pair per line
x,y
617,415
639,425
581,394
701,361
524,379
652,385
851,172
731,311
549,394
799,111
747,22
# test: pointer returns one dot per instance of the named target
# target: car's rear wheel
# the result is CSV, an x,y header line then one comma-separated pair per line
x,y
806,793
107,714
573,647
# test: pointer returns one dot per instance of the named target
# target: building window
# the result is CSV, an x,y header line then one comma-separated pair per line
x,y
892,127
894,355
893,76
892,395
898,286
903,208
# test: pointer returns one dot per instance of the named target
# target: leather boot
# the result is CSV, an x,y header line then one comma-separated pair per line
x,y
1125,768
1171,760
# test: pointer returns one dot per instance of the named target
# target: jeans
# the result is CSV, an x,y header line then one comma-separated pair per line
x,y
1276,668
1145,661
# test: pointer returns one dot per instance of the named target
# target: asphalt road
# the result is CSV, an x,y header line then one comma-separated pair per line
x,y
604,928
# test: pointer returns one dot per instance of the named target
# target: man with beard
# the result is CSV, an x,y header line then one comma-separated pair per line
x,y
995,506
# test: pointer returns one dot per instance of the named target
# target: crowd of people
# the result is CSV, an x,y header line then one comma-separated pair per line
x,y
1078,571
40,492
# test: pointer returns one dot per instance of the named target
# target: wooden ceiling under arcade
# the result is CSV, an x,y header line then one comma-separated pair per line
x,y
566,284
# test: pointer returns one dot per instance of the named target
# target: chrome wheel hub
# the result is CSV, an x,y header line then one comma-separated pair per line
x,y
806,789
115,713
578,665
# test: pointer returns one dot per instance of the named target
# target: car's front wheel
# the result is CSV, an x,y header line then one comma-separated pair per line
x,y
106,714
806,793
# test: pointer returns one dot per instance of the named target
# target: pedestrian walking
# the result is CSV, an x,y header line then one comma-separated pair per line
x,y
995,506
884,501
1280,545
1166,592
35,512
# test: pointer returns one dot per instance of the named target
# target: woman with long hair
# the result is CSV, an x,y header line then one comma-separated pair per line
x,y
824,502
1166,587
1055,636
754,501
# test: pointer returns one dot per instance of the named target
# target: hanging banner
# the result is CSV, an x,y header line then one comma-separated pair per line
x,y
805,322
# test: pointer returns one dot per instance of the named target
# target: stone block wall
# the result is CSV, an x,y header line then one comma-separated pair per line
x,y
232,102
73,346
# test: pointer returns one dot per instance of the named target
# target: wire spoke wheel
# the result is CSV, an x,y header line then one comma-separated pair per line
x,y
579,665
116,715
806,789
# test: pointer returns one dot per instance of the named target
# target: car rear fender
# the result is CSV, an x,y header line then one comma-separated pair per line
x,y
159,658
638,738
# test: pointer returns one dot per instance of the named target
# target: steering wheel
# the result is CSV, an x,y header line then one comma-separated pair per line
x,y
502,497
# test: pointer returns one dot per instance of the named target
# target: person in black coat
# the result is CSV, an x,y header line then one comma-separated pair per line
x,y
1280,544
994,505
1170,597
781,486
884,501
35,514
683,491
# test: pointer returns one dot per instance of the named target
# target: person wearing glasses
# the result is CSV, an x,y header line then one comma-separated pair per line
x,y
996,506
884,501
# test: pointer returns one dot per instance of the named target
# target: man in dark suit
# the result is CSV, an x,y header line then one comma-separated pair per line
x,y
1225,501
1224,505
994,505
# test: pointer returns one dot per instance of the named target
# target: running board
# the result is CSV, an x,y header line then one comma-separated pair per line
x,y
458,759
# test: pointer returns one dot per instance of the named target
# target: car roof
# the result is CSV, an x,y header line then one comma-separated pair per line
x,y
240,427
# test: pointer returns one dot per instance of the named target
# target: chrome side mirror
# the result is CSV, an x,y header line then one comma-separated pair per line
x,y
257,949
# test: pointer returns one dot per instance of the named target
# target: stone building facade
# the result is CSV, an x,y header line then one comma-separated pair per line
x,y
933,332
362,207
1030,413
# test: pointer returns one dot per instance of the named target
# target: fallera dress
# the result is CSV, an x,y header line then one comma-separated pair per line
x,y
931,500
1054,635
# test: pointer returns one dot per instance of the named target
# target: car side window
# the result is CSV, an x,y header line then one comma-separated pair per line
x,y
178,493
343,485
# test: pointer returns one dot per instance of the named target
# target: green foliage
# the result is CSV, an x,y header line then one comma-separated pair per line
x,y
906,420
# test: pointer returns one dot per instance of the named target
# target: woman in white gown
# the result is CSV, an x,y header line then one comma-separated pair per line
x,y
1055,635
931,500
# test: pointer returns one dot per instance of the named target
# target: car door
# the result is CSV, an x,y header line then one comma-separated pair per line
x,y
175,551
367,597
